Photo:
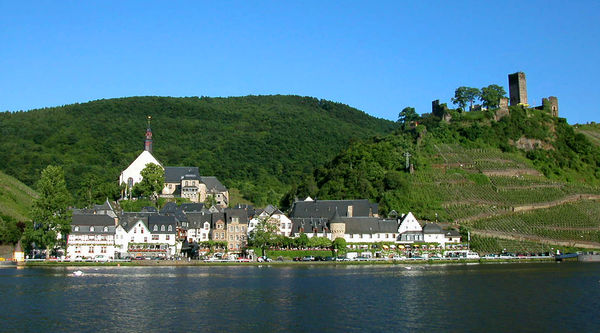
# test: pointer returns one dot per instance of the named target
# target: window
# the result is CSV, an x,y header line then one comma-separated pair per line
x,y
170,228
154,237
131,239
230,237
105,229
145,239
167,237
141,230
237,228
76,228
162,227
230,229
206,226
103,249
235,219
222,235
91,250
155,228
91,228
135,230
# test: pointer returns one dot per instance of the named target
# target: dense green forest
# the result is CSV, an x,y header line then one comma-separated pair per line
x,y
258,145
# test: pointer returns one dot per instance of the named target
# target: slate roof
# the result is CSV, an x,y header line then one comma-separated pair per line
x,y
308,224
236,212
83,222
432,228
159,221
128,219
452,233
327,208
175,174
192,207
197,219
212,183
369,225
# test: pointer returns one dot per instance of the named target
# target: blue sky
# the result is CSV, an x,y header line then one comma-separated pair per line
x,y
377,56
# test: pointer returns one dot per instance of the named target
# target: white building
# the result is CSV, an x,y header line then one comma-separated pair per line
x,y
91,236
146,235
274,216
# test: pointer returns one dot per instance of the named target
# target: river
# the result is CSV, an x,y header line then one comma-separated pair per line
x,y
537,297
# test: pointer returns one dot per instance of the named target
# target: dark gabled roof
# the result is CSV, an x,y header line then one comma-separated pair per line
x,y
92,219
308,225
160,220
327,208
369,225
452,233
82,223
149,209
128,219
192,207
432,228
216,217
197,219
212,183
169,207
236,212
175,174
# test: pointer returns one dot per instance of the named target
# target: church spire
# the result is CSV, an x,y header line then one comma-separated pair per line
x,y
148,141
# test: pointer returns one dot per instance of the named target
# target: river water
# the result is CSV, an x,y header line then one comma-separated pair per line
x,y
540,297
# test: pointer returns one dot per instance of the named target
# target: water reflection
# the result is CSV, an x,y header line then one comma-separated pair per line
x,y
512,297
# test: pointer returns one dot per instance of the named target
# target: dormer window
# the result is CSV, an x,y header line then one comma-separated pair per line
x,y
170,228
76,228
162,227
105,229
92,228
155,228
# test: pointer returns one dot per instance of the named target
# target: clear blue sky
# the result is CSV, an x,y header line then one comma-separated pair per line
x,y
378,56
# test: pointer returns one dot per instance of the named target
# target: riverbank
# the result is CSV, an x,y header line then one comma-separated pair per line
x,y
280,263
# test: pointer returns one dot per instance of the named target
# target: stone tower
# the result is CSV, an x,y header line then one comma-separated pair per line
x,y
148,141
517,86
552,102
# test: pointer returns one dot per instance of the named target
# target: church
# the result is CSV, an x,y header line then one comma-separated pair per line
x,y
180,182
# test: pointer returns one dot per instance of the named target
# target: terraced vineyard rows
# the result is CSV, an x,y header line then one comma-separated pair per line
x,y
577,222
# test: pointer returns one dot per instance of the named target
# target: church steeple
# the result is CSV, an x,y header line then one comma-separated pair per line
x,y
148,141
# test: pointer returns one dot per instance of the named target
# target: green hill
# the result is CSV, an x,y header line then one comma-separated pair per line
x,y
529,177
256,144
16,198
591,131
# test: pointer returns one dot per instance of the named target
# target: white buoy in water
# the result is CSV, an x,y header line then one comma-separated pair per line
x,y
408,267
77,273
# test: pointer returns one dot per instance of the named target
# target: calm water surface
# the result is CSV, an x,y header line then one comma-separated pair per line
x,y
541,297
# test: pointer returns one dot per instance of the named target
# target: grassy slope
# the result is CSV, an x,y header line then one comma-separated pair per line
x,y
15,197
591,131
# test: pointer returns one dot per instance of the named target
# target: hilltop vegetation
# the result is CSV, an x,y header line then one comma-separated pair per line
x,y
16,198
470,170
256,144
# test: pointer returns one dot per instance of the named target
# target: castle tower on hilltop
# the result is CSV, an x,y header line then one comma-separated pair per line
x,y
148,141
517,86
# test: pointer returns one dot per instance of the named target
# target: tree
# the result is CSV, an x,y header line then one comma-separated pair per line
x,y
263,235
10,230
50,214
210,201
490,95
302,241
407,115
339,244
464,95
153,181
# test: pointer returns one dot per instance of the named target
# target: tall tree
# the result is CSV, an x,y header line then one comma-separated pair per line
x,y
153,181
50,213
407,115
464,95
490,95
263,235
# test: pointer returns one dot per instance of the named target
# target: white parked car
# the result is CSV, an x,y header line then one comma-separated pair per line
x,y
101,258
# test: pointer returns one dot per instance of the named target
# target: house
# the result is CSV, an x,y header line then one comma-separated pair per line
x,y
237,229
452,236
363,229
433,233
199,226
146,235
272,215
91,235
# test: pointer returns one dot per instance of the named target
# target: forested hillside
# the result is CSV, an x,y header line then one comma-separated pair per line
x,y
16,198
257,144
476,172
